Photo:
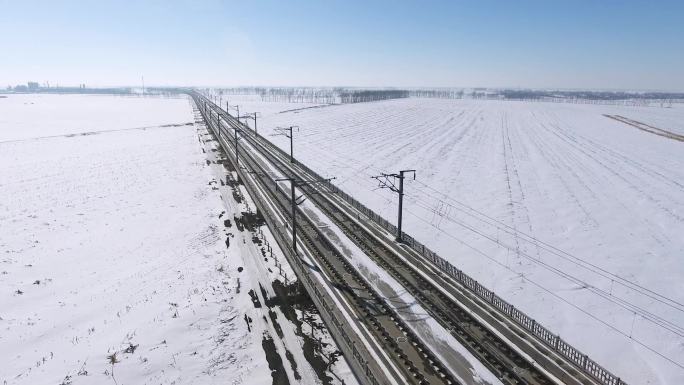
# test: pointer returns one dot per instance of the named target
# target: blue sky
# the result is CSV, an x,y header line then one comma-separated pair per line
x,y
541,44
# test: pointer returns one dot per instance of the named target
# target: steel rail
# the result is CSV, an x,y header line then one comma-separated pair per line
x,y
417,363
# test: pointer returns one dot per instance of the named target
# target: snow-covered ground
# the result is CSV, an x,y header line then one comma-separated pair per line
x,y
37,115
116,264
669,119
575,218
113,230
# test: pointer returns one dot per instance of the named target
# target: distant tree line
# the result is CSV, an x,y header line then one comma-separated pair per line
x,y
622,98
237,90
285,94
300,95
314,95
437,93
589,95
664,99
34,87
372,95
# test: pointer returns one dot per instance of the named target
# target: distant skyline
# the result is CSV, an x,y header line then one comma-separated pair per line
x,y
583,44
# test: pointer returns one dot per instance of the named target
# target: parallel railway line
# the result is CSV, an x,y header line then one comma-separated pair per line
x,y
417,364
505,349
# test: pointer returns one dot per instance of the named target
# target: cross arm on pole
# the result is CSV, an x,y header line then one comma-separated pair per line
x,y
389,181
285,131
310,184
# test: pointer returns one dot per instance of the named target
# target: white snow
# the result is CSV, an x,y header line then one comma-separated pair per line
x,y
24,116
110,232
669,119
112,239
551,205
463,365
113,262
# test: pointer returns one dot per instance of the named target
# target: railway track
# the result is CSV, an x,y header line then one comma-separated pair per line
x,y
409,355
502,347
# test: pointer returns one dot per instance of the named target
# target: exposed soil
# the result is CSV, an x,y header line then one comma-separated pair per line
x,y
249,221
647,128
275,363
255,299
290,298
293,364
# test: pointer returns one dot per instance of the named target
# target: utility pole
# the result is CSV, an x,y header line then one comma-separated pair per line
x,y
294,212
296,201
237,107
389,181
287,132
237,159
253,116
218,125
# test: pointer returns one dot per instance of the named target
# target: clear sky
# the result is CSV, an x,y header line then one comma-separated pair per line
x,y
595,44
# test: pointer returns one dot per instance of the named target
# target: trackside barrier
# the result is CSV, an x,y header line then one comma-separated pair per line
x,y
363,364
573,355
581,360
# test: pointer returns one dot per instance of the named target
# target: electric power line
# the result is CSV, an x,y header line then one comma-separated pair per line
x,y
554,294
558,252
618,301
547,247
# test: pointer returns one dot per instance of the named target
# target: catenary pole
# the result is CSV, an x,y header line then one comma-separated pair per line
x,y
294,216
388,181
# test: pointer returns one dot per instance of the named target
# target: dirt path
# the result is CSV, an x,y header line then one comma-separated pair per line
x,y
646,127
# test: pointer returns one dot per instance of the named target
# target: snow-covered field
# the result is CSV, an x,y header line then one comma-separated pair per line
x,y
115,264
113,257
669,119
38,115
573,217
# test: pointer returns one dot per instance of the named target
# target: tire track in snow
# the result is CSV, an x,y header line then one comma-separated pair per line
x,y
595,156
505,144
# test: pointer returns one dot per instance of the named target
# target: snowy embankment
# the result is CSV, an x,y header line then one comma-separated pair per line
x,y
114,265
575,218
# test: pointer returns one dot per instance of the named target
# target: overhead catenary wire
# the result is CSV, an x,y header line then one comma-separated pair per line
x,y
641,343
645,314
528,238
556,251
360,167
540,286
550,291
657,320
